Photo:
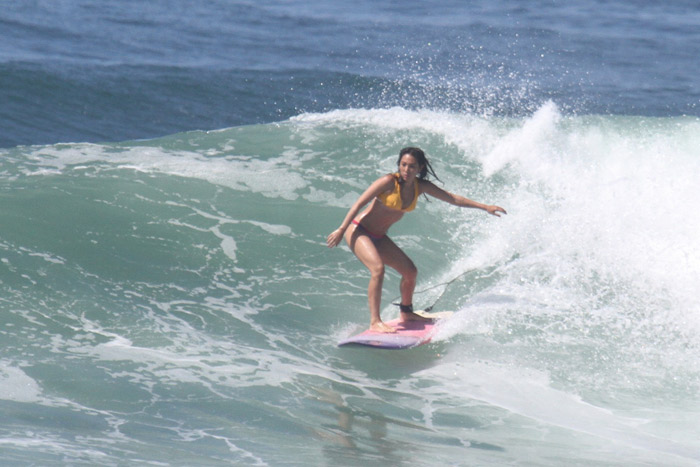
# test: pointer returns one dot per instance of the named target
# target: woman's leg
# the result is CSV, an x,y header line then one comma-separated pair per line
x,y
366,251
394,257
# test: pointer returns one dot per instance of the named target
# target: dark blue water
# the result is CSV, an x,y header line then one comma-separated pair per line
x,y
89,71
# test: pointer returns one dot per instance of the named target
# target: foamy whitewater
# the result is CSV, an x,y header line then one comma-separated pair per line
x,y
172,300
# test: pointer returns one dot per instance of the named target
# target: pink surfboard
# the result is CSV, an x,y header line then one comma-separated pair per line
x,y
407,335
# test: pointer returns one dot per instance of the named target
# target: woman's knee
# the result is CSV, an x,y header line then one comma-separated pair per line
x,y
377,270
411,272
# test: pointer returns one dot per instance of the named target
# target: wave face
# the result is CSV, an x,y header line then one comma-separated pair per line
x,y
172,300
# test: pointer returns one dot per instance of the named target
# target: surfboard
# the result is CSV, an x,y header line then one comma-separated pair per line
x,y
409,334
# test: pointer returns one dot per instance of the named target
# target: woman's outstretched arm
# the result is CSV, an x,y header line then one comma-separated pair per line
x,y
457,200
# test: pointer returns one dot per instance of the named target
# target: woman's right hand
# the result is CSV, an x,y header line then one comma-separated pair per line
x,y
334,238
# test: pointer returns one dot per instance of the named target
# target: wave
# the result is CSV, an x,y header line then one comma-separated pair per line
x,y
198,261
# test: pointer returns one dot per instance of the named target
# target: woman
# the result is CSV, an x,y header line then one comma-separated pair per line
x,y
389,197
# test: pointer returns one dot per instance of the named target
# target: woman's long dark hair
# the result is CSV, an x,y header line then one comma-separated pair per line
x,y
422,160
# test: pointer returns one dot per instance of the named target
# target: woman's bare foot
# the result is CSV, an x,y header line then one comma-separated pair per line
x,y
381,326
411,316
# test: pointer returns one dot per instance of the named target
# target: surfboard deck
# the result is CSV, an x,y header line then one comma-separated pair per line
x,y
407,335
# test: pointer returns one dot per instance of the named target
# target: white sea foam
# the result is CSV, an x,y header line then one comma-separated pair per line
x,y
16,385
270,177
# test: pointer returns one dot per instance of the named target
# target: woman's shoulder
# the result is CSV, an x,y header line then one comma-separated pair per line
x,y
382,184
424,185
387,179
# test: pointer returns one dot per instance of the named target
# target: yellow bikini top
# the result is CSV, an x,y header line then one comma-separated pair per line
x,y
393,200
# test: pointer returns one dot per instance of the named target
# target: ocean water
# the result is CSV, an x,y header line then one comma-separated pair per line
x,y
169,173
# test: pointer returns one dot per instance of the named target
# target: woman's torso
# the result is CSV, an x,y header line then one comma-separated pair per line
x,y
377,217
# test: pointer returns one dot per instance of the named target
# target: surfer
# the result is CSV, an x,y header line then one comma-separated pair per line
x,y
389,197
